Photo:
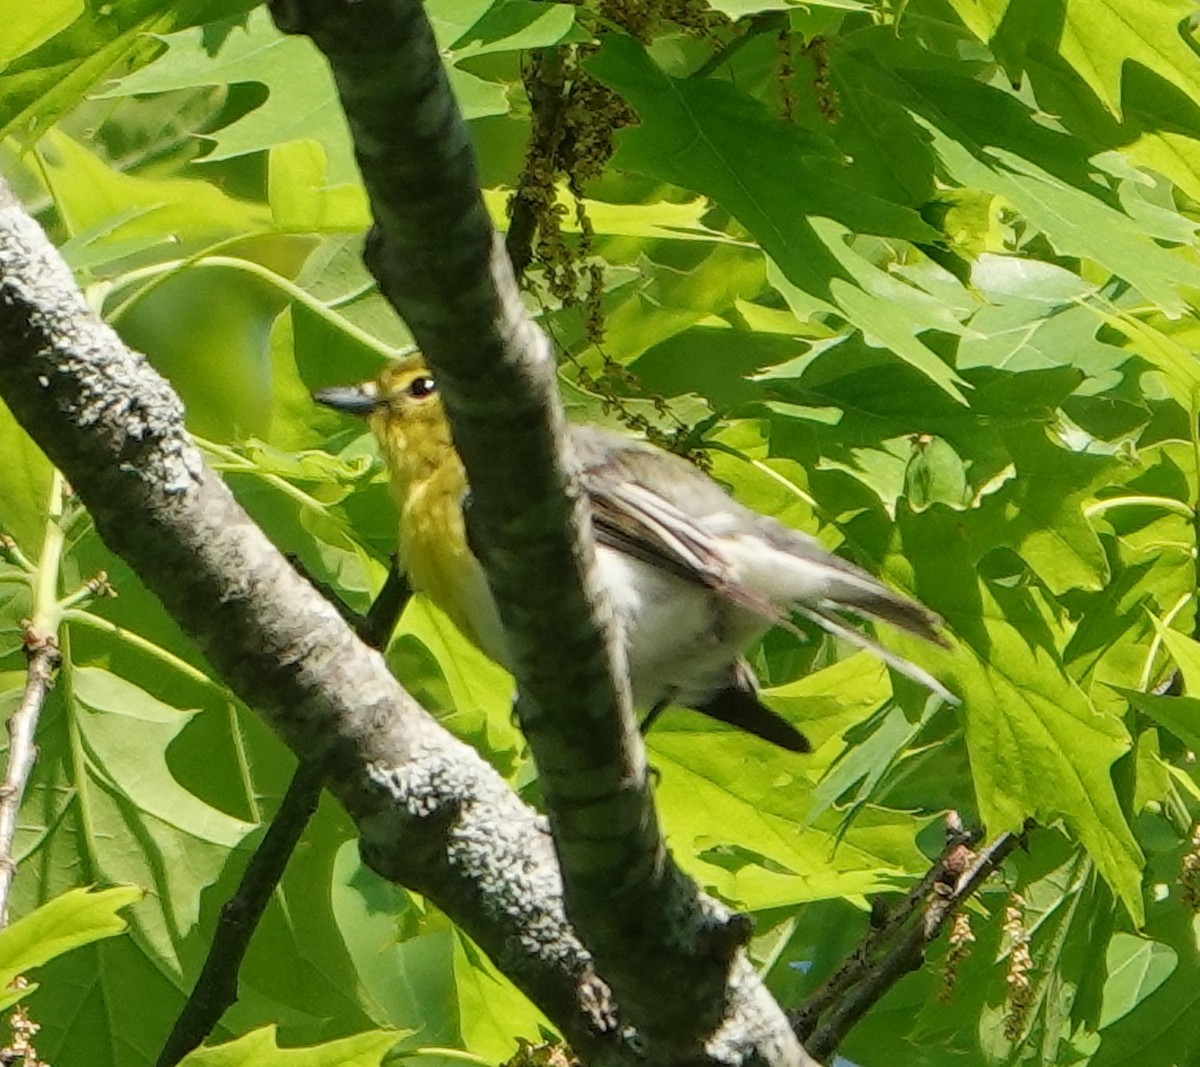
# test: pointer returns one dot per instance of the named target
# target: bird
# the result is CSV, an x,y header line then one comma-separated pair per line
x,y
693,576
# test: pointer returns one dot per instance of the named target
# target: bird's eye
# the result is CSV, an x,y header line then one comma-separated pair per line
x,y
421,387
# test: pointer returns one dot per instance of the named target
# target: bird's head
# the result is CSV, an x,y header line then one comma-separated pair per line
x,y
404,410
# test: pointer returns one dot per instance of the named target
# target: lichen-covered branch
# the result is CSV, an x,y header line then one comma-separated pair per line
x,y
431,814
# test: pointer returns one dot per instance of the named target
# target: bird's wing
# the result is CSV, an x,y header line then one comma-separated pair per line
x,y
640,523
634,519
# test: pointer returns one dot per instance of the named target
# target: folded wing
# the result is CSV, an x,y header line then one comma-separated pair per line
x,y
694,530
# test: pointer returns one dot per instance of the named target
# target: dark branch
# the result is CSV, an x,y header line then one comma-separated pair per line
x,y
217,987
430,813
672,956
375,628
896,946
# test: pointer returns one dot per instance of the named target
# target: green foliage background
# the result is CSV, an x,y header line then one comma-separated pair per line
x,y
921,274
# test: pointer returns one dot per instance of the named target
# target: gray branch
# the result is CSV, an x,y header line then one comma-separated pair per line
x,y
673,957
42,653
431,813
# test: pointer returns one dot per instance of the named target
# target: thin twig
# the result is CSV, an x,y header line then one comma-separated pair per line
x,y
896,945
882,932
44,658
216,988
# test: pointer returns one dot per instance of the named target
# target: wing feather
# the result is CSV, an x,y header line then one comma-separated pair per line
x,y
655,528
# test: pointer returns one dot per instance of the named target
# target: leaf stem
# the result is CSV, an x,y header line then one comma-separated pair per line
x,y
162,272
11,551
95,622
1179,507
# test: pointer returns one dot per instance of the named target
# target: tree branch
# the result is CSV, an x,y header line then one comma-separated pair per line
x,y
896,945
430,812
672,956
43,657
217,986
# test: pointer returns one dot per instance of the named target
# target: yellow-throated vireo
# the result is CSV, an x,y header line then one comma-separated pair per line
x,y
693,576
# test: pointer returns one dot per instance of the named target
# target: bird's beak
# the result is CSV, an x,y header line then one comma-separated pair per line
x,y
351,399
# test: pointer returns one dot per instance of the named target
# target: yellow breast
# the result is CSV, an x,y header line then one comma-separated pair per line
x,y
433,548
428,484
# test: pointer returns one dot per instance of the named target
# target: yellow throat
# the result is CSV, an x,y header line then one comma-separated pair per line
x,y
428,484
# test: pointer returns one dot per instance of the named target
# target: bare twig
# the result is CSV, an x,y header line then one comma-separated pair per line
x,y
41,651
896,944
217,985
43,657
216,988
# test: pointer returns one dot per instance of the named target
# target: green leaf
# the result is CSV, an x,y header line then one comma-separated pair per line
x,y
108,212
77,917
493,1011
1099,39
216,349
477,700
29,27
1038,749
24,485
1150,1009
104,805
43,83
935,474
706,136
304,199
713,778
1041,174
1136,967
403,954
1051,531
1186,653
301,101
1177,715
503,26
259,1049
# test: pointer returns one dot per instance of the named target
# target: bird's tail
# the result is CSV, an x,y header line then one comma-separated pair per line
x,y
739,706
831,623
863,595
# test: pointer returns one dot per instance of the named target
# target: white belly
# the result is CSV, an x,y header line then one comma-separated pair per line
x,y
680,638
